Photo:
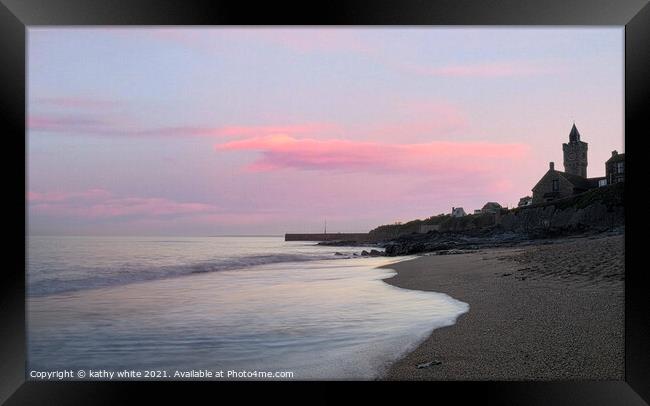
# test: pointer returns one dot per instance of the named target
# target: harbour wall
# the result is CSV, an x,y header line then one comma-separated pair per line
x,y
356,237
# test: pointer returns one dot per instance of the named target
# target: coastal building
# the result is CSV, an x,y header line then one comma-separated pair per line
x,y
557,184
457,212
525,201
615,168
477,211
491,207
575,154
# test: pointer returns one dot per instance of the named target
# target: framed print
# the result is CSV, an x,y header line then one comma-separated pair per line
x,y
324,204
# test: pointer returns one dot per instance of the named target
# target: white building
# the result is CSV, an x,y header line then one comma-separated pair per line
x,y
457,212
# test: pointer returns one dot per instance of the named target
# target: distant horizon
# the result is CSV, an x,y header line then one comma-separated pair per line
x,y
157,235
229,132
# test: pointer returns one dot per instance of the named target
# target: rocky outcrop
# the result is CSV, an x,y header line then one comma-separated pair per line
x,y
550,220
372,253
452,242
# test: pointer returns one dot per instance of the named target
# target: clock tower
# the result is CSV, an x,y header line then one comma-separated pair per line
x,y
575,154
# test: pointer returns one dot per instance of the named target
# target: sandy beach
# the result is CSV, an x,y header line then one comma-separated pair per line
x,y
553,311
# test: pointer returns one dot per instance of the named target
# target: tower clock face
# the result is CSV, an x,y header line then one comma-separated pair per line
x,y
572,156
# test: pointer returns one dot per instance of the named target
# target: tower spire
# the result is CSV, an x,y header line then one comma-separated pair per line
x,y
574,135
575,154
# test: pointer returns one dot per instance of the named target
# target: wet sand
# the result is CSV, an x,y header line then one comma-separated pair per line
x,y
542,312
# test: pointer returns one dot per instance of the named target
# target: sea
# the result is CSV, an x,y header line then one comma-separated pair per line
x,y
260,306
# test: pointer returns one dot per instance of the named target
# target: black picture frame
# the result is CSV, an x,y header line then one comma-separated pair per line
x,y
18,15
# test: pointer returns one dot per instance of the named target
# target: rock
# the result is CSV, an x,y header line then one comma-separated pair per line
x,y
506,274
337,253
365,253
428,364
339,243
375,253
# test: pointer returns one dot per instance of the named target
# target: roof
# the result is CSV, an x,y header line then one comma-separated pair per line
x,y
574,135
491,205
577,180
616,158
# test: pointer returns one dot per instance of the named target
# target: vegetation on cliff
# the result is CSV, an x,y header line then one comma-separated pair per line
x,y
442,223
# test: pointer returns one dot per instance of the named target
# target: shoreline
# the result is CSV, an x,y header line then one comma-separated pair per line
x,y
541,312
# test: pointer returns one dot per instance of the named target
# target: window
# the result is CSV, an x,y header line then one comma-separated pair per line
x,y
556,185
620,167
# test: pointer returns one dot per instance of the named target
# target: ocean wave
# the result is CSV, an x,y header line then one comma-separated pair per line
x,y
254,260
93,278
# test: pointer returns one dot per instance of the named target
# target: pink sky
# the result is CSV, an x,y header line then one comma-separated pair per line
x,y
266,131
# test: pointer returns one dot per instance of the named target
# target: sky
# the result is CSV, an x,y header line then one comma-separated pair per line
x,y
240,131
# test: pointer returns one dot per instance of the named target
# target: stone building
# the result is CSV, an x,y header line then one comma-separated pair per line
x,y
557,185
615,168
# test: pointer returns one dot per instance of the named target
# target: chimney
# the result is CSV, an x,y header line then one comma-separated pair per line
x,y
614,153
551,166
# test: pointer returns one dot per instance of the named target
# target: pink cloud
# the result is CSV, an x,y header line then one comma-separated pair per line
x,y
180,131
283,151
101,204
141,206
84,125
54,197
63,123
238,130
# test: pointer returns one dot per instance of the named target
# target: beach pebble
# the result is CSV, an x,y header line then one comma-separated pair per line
x,y
428,364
